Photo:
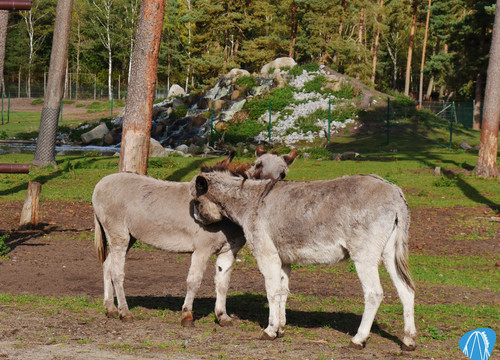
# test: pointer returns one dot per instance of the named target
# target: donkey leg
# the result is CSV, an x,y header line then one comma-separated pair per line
x,y
109,301
223,268
373,294
270,267
118,277
285,277
199,261
407,296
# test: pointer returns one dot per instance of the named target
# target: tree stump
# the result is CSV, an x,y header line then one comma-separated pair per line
x,y
29,214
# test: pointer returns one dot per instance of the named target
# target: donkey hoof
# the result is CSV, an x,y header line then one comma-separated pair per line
x,y
187,321
226,322
113,314
266,336
410,347
356,346
127,317
280,333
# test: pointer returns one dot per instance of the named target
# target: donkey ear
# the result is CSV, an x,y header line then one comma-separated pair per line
x,y
201,185
290,157
259,151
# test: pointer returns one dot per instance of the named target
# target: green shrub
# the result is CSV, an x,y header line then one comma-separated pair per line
x,y
319,152
3,135
345,92
180,112
248,81
314,85
279,98
298,69
241,132
37,102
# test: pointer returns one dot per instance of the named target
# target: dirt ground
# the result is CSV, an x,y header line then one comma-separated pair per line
x,y
75,110
57,259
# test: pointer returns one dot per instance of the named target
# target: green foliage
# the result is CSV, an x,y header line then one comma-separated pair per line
x,y
279,98
37,101
319,152
346,92
3,135
241,132
315,84
299,69
4,249
248,81
180,111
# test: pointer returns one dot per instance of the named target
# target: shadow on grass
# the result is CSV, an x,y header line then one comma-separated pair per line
x,y
179,174
254,308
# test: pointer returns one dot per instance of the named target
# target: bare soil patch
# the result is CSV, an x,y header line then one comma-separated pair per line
x,y
75,110
58,260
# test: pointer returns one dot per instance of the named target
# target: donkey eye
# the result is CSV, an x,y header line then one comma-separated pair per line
x,y
258,166
282,175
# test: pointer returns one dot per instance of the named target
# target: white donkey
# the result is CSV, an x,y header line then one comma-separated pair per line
x,y
159,213
319,222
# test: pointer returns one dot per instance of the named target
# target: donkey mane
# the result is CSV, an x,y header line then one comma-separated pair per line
x,y
238,170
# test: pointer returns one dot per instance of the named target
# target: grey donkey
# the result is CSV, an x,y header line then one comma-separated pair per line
x,y
159,213
363,217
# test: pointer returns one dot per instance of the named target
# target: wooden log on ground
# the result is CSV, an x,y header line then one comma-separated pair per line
x,y
29,214
15,168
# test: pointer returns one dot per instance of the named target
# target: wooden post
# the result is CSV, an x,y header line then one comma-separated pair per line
x,y
29,214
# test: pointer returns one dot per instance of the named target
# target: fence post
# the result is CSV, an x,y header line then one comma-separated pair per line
x,y
451,124
269,126
329,117
388,116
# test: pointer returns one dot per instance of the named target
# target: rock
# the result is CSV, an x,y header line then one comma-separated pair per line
x,y
157,130
218,104
113,137
176,90
177,103
437,171
236,95
182,148
193,148
306,156
279,80
96,133
158,109
156,150
221,126
349,155
366,100
203,103
336,157
197,121
465,146
236,73
277,64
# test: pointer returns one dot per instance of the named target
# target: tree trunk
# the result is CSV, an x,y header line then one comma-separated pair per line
x,y
293,29
410,47
360,39
422,64
29,214
377,39
487,160
138,113
4,19
429,88
478,96
45,147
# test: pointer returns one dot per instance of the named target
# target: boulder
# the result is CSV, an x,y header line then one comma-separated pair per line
x,y
221,126
277,64
156,149
96,133
236,95
349,155
279,80
236,73
182,148
113,137
176,90
218,104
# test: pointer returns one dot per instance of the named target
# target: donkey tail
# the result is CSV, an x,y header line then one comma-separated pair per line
x,y
401,251
100,243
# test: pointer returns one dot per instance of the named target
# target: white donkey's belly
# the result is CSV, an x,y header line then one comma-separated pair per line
x,y
313,253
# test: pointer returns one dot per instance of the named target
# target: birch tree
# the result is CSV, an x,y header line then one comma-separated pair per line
x,y
102,20
35,36
4,18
